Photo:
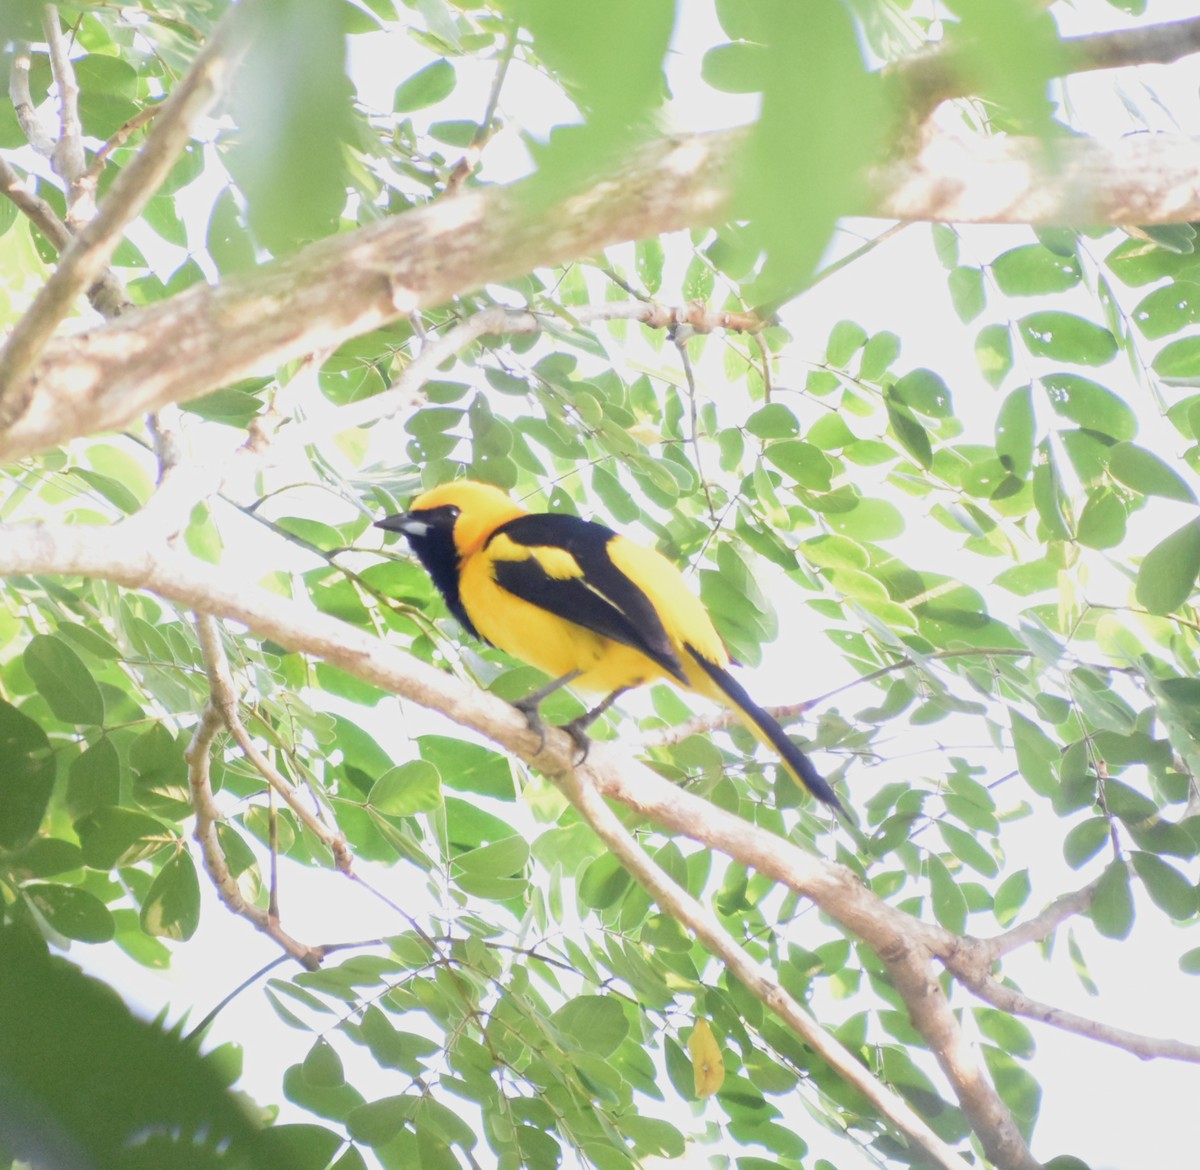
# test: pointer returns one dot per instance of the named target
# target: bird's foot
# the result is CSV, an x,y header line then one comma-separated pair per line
x,y
533,717
577,730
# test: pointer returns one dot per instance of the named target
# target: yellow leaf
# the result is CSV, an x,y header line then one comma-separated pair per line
x,y
708,1065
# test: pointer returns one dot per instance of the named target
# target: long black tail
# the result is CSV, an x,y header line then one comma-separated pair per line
x,y
767,730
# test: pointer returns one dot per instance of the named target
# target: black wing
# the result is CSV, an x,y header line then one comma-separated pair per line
x,y
599,597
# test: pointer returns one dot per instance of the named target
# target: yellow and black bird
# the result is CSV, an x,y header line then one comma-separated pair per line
x,y
590,607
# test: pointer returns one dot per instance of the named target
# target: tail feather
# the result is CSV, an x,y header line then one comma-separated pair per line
x,y
766,729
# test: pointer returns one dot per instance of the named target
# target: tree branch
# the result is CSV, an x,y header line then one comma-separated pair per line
x,y
107,293
68,158
207,818
945,72
89,251
1008,999
224,700
760,983
349,284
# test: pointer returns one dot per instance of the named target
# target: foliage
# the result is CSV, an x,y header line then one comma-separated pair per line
x,y
1003,556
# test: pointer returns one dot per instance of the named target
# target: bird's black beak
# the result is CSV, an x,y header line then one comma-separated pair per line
x,y
405,523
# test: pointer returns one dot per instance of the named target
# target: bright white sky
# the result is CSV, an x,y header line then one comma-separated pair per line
x,y
1099,1104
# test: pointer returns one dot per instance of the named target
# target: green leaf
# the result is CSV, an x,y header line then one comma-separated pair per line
x,y
1033,270
1137,468
1112,906
1064,337
1036,754
172,905
113,836
1085,840
26,777
925,392
424,88
966,847
807,465
595,1022
322,1066
499,859
912,435
1014,432
94,779
994,353
377,1122
1179,361
72,911
734,68
1169,309
1049,497
1169,890
949,905
413,787
773,421
967,292
63,680
1102,521
1169,570
289,157
1011,895
1090,405
823,157
846,338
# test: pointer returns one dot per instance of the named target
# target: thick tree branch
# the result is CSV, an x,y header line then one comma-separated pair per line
x,y
348,284
89,251
945,72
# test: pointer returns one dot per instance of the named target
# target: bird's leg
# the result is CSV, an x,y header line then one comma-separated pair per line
x,y
529,705
577,728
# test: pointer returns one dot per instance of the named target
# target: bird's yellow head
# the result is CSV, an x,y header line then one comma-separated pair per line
x,y
470,509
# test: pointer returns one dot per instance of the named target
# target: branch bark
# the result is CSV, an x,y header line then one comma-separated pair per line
x,y
349,284
944,73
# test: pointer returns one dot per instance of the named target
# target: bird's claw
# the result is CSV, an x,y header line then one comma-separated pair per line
x,y
533,718
576,729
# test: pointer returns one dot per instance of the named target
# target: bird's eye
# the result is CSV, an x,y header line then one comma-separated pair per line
x,y
453,512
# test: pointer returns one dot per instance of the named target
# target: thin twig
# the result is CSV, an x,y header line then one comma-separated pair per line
x,y
68,160
19,93
107,294
1008,999
1039,927
224,699
205,833
679,335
